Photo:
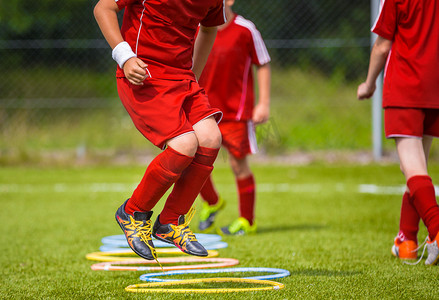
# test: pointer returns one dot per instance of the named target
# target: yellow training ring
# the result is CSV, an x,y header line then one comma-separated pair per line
x,y
151,287
123,255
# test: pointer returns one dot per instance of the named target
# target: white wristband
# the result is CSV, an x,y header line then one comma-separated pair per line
x,y
121,53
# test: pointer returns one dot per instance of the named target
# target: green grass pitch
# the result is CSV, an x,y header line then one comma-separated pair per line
x,y
315,221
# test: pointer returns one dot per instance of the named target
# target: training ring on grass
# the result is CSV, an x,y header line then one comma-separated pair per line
x,y
278,273
151,287
215,262
118,255
121,241
207,246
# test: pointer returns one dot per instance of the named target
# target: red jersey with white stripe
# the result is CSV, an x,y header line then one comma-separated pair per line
x,y
412,69
227,76
162,32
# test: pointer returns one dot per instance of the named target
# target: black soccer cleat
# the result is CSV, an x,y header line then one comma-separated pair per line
x,y
180,235
137,230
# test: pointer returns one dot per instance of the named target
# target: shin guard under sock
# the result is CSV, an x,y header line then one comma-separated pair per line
x,y
423,197
246,192
208,192
409,220
188,186
161,173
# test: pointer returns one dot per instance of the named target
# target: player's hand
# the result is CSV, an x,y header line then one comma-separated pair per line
x,y
261,113
365,91
135,71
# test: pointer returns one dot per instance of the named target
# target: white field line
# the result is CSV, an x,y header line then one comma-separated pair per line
x,y
385,190
380,189
66,188
108,187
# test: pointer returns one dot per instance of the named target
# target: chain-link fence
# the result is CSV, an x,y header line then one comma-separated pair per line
x,y
58,89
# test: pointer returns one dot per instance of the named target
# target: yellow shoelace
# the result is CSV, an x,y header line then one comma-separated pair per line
x,y
183,230
144,233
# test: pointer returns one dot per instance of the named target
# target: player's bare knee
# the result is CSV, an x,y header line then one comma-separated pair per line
x,y
216,139
208,133
241,172
186,144
211,140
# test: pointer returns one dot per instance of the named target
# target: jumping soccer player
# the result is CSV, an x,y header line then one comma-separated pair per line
x,y
159,61
228,81
408,46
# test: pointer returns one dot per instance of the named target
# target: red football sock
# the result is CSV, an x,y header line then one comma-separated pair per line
x,y
188,186
208,192
161,173
424,200
246,191
409,220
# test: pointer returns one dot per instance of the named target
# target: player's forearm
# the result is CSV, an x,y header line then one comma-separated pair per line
x,y
378,58
105,13
203,45
264,84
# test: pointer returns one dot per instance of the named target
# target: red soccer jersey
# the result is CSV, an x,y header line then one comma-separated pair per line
x,y
412,70
227,76
162,32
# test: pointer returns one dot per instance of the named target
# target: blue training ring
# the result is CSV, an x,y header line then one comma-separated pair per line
x,y
207,246
121,241
278,273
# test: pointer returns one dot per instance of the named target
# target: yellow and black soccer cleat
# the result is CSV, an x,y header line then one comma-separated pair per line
x,y
180,235
137,230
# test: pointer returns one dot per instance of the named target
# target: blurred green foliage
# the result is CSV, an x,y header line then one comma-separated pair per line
x,y
332,36
47,19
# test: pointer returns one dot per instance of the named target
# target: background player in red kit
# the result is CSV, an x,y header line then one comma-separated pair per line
x,y
408,47
227,79
158,63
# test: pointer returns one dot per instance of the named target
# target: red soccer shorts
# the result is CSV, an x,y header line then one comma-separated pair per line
x,y
239,138
411,122
164,109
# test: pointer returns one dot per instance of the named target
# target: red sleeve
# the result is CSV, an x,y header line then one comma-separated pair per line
x,y
216,15
122,3
385,25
